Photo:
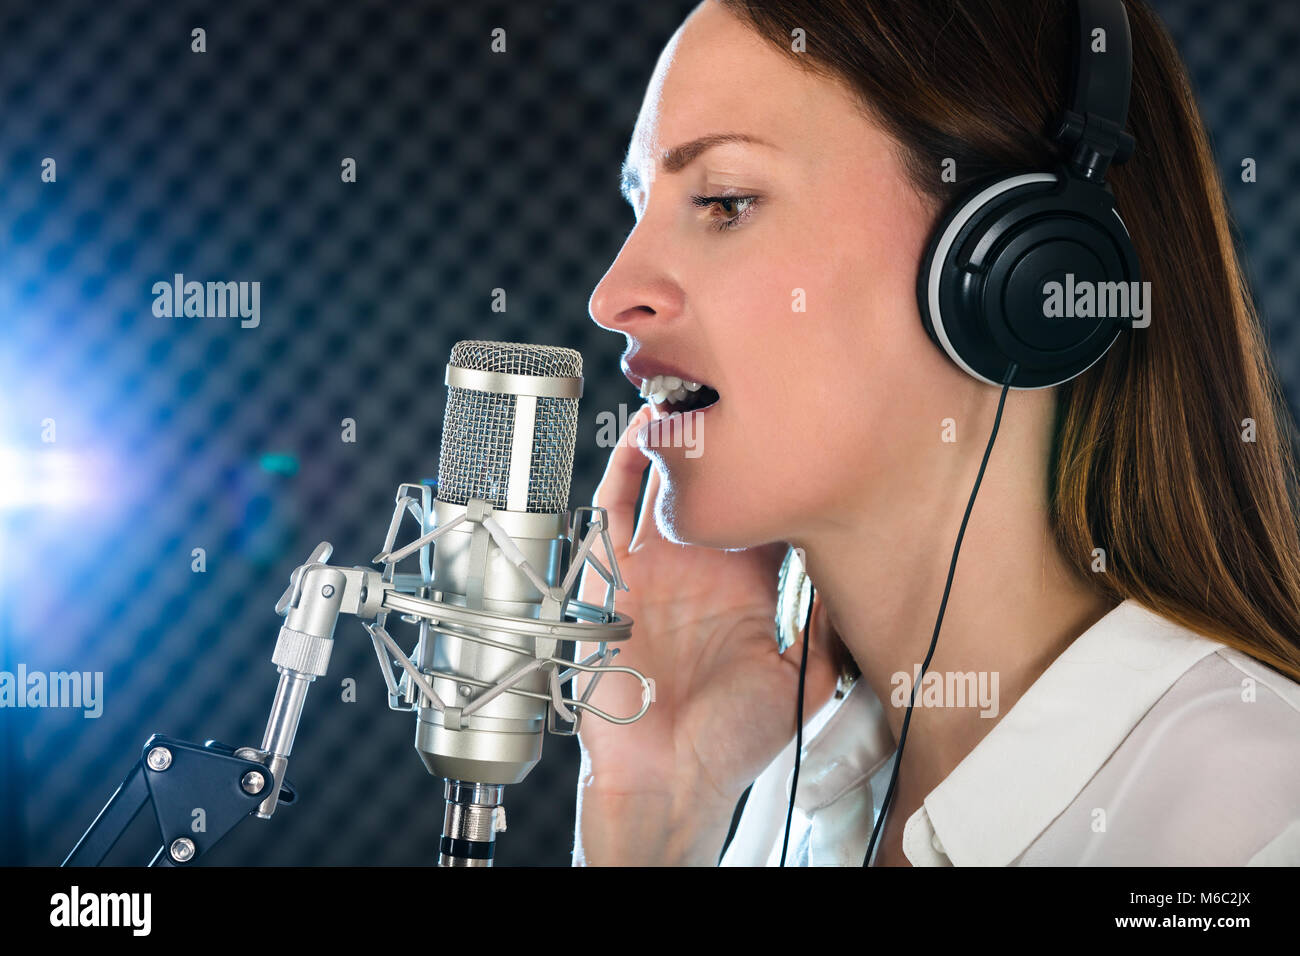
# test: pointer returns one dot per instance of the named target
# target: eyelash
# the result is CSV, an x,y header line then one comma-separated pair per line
x,y
722,225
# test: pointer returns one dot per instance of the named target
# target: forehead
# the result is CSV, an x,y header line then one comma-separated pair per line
x,y
716,74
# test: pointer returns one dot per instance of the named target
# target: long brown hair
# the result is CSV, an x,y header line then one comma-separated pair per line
x,y
1175,453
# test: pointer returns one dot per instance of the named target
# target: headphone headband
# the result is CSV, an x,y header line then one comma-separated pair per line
x,y
1092,128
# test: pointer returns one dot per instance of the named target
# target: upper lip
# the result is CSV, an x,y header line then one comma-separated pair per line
x,y
641,368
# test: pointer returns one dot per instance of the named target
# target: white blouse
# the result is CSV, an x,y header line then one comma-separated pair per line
x,y
1144,743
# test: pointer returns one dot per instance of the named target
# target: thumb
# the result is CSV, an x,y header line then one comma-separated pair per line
x,y
620,488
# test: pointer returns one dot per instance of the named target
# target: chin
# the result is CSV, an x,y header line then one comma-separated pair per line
x,y
690,510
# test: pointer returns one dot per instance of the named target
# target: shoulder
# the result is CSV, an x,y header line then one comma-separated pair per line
x,y
1196,747
1227,704
1208,688
1254,678
1217,759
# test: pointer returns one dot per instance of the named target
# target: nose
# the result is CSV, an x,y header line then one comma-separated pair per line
x,y
638,288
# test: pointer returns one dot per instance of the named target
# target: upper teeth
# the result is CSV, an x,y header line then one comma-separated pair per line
x,y
662,388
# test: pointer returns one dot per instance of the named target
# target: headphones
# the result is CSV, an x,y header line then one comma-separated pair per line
x,y
982,285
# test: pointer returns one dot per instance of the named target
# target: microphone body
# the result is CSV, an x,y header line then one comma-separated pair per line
x,y
504,739
507,445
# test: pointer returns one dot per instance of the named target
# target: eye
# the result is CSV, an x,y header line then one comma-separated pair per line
x,y
741,206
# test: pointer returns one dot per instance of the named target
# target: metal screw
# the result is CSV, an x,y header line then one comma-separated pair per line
x,y
182,850
327,591
252,782
464,690
248,753
160,758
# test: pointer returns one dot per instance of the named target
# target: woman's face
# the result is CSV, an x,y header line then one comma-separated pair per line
x,y
795,300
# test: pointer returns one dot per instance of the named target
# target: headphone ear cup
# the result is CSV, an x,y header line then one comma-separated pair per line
x,y
996,281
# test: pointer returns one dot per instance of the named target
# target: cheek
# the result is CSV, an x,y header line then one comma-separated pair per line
x,y
883,347
831,385
851,386
831,324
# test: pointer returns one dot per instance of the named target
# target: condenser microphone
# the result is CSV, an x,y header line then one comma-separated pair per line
x,y
508,440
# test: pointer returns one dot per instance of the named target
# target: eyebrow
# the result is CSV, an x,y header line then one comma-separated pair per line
x,y
679,157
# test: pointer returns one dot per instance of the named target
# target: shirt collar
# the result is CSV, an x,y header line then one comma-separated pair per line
x,y
845,745
1046,748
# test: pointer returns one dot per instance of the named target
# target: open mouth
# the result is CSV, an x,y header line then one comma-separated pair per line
x,y
672,394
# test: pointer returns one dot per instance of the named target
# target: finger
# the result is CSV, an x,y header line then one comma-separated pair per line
x,y
620,488
618,493
646,528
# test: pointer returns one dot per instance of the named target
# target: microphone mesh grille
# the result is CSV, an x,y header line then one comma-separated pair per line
x,y
517,359
478,431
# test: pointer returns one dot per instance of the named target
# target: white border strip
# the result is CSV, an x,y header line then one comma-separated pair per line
x,y
945,244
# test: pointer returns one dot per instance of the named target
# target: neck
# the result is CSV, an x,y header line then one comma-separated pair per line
x,y
1015,604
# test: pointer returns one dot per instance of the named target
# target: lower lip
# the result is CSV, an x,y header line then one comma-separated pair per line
x,y
689,424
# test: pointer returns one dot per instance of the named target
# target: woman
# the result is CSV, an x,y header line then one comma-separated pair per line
x,y
1129,581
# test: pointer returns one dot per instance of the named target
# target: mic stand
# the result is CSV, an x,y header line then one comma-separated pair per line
x,y
190,786
178,778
